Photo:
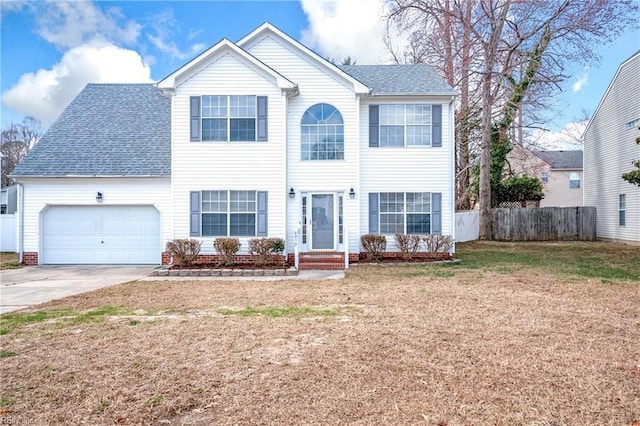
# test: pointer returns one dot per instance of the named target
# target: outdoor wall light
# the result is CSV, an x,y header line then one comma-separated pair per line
x,y
352,193
292,193
99,197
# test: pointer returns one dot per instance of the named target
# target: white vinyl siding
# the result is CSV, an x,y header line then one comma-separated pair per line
x,y
316,86
41,193
237,166
609,148
398,169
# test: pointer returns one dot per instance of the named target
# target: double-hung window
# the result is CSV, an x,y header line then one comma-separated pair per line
x,y
574,180
405,125
407,213
234,118
401,125
229,213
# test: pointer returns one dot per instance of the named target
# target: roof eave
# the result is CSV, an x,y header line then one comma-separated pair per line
x,y
415,94
90,176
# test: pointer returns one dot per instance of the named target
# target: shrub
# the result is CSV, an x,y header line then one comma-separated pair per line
x,y
265,249
407,244
374,246
227,249
436,243
184,251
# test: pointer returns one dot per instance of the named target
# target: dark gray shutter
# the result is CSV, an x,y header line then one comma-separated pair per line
x,y
436,126
374,227
374,126
194,115
436,213
261,231
194,214
262,119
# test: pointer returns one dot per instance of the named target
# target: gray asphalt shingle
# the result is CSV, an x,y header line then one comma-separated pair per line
x,y
107,130
413,79
562,159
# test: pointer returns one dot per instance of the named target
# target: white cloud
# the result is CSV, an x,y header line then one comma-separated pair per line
x,y
581,81
164,28
341,28
70,24
46,92
568,138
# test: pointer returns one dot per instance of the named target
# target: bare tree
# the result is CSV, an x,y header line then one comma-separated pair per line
x,y
15,142
505,37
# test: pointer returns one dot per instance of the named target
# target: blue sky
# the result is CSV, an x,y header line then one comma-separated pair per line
x,y
50,50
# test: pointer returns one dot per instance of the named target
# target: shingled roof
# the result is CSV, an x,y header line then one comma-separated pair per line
x,y
562,159
107,130
414,79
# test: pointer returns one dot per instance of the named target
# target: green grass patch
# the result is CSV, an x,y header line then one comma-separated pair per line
x,y
578,258
428,271
6,401
11,321
153,401
7,354
276,312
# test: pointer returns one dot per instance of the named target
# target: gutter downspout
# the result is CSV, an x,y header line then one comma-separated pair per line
x,y
20,222
288,95
452,168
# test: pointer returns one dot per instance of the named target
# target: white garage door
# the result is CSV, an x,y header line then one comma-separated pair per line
x,y
101,235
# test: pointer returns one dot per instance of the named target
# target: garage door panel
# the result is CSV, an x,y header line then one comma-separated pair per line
x,y
101,235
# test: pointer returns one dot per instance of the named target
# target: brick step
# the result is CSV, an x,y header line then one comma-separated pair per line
x,y
321,266
322,259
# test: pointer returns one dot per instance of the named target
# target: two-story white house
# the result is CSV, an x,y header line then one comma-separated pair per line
x,y
262,137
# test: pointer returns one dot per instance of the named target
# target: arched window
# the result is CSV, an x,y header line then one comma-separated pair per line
x,y
322,131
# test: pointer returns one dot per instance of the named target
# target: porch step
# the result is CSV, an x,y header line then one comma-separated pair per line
x,y
319,266
329,261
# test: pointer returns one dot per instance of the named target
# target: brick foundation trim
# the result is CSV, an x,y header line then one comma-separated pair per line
x,y
30,258
214,258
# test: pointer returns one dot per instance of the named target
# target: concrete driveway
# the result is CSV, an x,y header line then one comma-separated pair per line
x,y
31,285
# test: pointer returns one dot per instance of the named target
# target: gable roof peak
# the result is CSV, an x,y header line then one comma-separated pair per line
x,y
267,28
169,83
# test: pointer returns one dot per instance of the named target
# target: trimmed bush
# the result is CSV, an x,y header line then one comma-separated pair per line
x,y
435,243
264,250
227,248
407,244
184,251
374,245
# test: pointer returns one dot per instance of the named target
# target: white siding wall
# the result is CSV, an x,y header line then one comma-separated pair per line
x,y
608,152
256,166
316,86
407,169
40,192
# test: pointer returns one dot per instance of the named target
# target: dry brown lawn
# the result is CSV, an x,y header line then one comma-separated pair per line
x,y
8,260
434,345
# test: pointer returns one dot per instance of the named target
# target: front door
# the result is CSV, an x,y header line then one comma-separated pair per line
x,y
322,222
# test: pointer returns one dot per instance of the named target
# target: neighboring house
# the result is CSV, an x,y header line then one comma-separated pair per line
x,y
257,138
9,199
609,149
559,171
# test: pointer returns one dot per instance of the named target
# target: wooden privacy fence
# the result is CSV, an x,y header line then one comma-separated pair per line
x,y
544,223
